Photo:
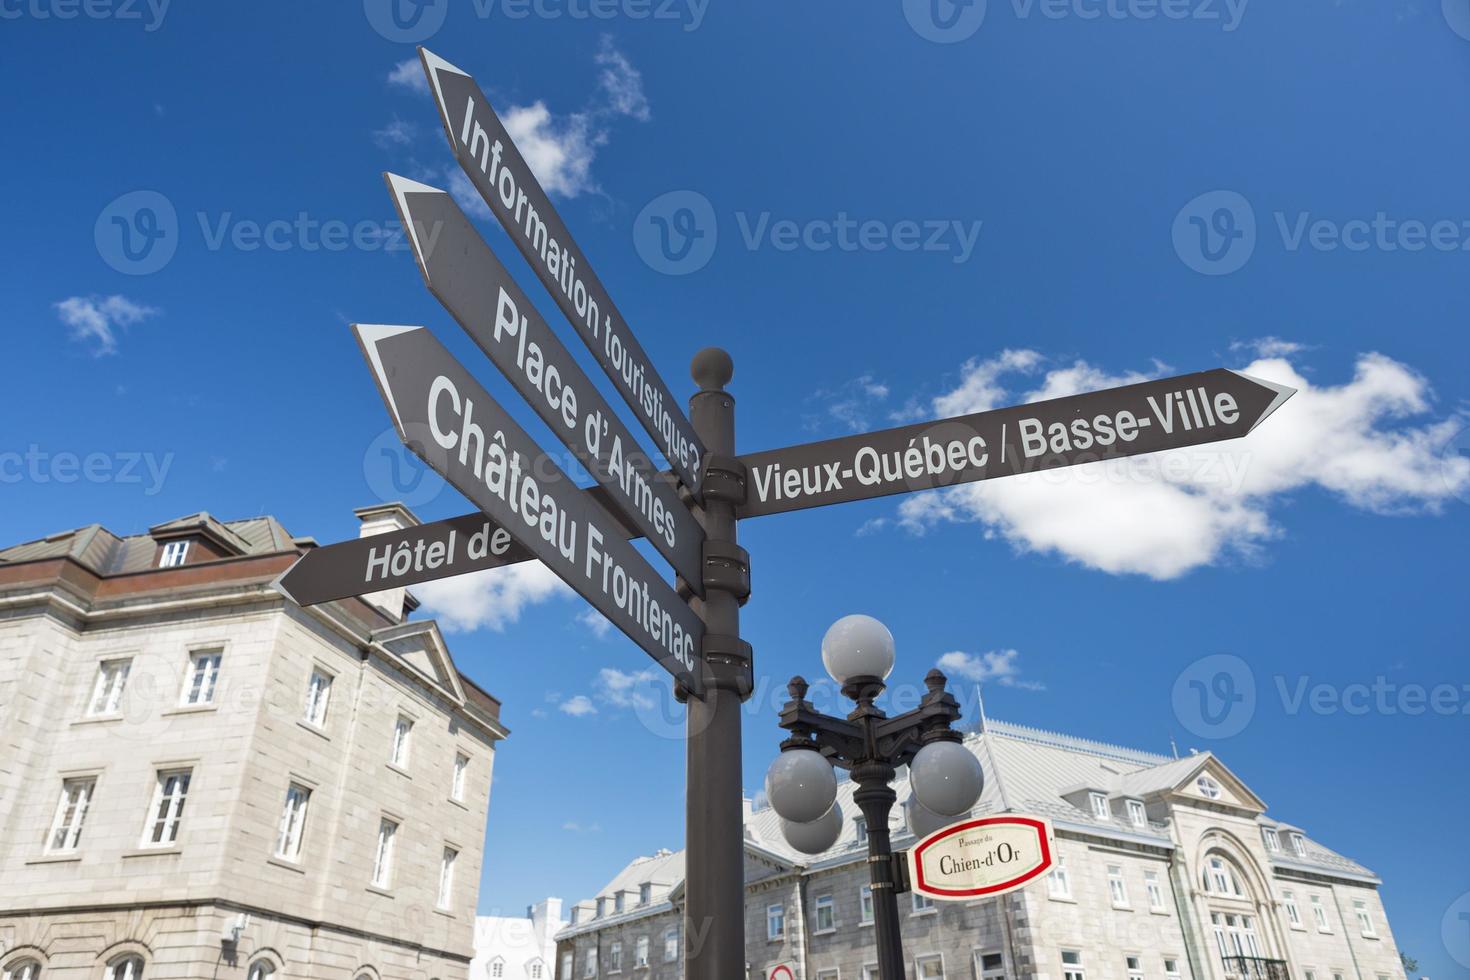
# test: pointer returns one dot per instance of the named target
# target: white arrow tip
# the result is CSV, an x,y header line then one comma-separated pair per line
x,y
1283,392
402,185
435,63
370,335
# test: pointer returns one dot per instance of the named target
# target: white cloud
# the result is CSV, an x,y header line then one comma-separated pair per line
x,y
1269,347
621,83
94,320
578,706
492,599
995,665
849,404
625,689
465,194
595,621
410,75
572,826
1166,514
396,133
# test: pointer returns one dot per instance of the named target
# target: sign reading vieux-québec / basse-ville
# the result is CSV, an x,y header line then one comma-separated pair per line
x,y
981,858
464,275
1172,413
495,166
450,422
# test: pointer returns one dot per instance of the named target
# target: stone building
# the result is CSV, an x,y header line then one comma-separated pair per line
x,y
200,778
518,947
1169,869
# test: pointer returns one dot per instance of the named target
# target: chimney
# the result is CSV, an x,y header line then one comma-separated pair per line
x,y
381,519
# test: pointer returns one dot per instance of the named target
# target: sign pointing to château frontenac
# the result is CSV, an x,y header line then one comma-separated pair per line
x,y
450,422
463,274
499,172
1209,406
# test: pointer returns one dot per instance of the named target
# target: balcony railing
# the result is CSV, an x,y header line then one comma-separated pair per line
x,y
1255,968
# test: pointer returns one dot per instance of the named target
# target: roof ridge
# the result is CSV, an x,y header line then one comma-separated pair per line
x,y
1058,740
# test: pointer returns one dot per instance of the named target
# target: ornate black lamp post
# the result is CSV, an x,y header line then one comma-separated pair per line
x,y
945,777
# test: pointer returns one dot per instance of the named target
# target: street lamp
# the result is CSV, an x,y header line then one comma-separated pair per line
x,y
945,777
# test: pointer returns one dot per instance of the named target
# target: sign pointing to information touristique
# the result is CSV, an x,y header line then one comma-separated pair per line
x,y
981,858
499,172
1142,418
464,275
450,422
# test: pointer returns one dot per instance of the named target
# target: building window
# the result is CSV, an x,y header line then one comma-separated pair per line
x,y
990,965
383,860
1100,806
23,970
1365,921
1208,788
446,877
536,970
1137,815
1135,967
862,830
1319,914
1117,887
167,811
865,904
826,914
293,822
71,813
1072,965
261,970
1059,883
1293,914
402,735
929,968
1171,968
203,675
107,692
589,965
566,966
1272,839
671,944
775,922
640,952
615,958
456,784
1155,891
125,968
318,693
1220,878
497,967
1309,975
645,893
829,975
619,901
922,903
1299,845
174,553
870,971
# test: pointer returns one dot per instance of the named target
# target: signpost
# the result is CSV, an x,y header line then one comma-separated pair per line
x,y
454,426
981,858
464,275
495,166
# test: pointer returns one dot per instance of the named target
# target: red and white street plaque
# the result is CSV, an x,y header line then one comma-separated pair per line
x,y
981,858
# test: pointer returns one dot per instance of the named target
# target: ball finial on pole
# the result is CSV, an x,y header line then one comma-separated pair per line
x,y
712,369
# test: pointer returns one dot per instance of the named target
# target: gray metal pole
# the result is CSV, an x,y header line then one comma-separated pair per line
x,y
714,911
875,797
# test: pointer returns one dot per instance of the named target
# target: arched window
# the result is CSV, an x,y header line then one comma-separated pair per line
x,y
261,969
128,967
1220,877
22,970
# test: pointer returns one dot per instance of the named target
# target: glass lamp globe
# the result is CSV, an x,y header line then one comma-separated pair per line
x,y
817,836
921,820
946,778
857,646
801,785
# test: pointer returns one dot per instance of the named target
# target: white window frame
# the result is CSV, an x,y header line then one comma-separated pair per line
x,y
1133,965
1365,920
567,966
640,953
497,967
860,825
1208,787
865,905
402,749
318,697
824,904
1319,914
1272,840
615,957
775,923
929,959
203,677
174,553
261,969
1059,881
993,973
65,834
26,969
383,856
1298,845
457,781
1075,970
1117,887
589,963
109,687
1293,911
1137,813
129,966
447,863
1153,885
1171,972
291,831
921,904
671,944
1100,808
166,809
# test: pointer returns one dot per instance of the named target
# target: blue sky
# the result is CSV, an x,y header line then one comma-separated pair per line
x,y
1098,198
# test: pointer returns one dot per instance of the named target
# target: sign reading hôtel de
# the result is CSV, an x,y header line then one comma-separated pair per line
x,y
981,858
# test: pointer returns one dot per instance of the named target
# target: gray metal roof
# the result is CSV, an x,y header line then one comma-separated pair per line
x,y
95,547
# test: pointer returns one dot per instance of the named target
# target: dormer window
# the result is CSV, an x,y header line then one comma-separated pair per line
x,y
1100,806
645,893
1208,788
1299,845
174,553
601,907
618,902
1137,815
1272,839
862,830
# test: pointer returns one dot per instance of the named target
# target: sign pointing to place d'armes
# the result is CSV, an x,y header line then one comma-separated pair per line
x,y
450,422
981,858
464,275
1209,406
499,172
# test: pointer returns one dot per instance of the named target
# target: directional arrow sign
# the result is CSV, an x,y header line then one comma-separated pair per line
x,y
464,275
402,559
446,419
1143,418
501,175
